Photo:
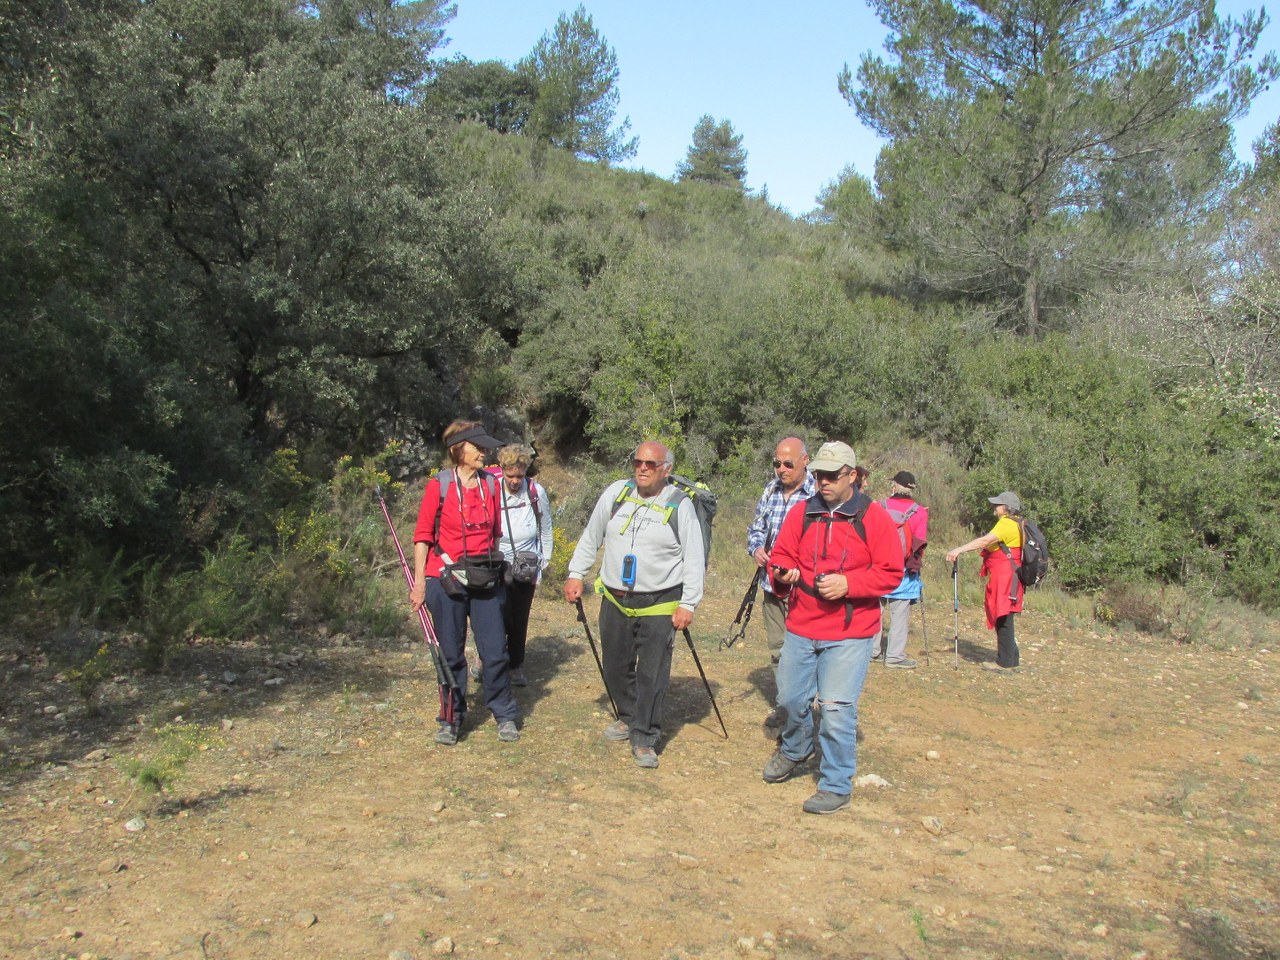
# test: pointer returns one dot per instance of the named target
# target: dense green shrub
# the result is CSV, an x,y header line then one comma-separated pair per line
x,y
1123,482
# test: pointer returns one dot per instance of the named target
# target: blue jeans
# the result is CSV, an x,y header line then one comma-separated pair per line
x,y
833,671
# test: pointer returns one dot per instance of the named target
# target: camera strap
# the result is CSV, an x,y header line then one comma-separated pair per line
x,y
537,516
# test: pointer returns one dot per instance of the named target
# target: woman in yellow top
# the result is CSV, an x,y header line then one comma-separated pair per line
x,y
1003,596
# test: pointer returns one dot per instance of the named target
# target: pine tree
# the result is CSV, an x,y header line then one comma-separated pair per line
x,y
715,156
575,74
1040,149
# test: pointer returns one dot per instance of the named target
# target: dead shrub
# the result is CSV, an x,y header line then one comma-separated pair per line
x,y
1140,606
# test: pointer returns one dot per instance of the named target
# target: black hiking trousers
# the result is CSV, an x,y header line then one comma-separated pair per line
x,y
1006,645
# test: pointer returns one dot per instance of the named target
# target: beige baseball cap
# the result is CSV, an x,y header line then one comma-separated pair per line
x,y
834,455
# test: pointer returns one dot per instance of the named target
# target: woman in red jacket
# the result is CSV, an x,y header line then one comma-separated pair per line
x,y
836,555
458,574
1003,597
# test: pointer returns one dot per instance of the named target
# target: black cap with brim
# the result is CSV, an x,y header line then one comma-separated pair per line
x,y
476,436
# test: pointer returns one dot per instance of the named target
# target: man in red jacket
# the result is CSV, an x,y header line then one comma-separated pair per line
x,y
838,553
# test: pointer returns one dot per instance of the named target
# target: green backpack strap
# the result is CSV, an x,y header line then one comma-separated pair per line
x,y
625,496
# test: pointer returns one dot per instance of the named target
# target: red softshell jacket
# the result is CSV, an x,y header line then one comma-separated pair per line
x,y
873,567
479,517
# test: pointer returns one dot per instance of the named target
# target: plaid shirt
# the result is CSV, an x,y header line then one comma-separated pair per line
x,y
770,512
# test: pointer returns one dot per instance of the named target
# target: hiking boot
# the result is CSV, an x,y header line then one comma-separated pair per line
x,y
824,801
618,730
518,679
447,734
774,719
508,732
645,757
998,668
906,663
781,767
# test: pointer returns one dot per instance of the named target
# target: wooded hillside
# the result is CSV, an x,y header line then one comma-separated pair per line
x,y
249,243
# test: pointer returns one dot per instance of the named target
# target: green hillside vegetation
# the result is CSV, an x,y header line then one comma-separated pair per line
x,y
253,268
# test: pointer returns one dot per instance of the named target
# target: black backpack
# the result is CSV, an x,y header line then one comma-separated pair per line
x,y
704,508
696,492
1034,565
860,503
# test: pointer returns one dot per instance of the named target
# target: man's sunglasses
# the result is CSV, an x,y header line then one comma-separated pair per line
x,y
830,476
783,463
648,464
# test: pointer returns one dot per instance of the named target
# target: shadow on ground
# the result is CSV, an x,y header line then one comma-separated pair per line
x,y
47,720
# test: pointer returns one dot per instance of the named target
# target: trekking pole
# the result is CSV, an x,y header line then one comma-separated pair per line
x,y
744,614
924,627
444,676
582,615
694,650
955,604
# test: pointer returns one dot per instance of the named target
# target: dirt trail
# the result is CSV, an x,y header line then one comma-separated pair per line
x,y
1114,799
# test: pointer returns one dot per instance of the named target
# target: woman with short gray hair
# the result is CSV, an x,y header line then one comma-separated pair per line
x,y
1001,553
526,545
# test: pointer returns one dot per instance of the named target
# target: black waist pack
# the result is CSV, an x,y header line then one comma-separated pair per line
x,y
478,574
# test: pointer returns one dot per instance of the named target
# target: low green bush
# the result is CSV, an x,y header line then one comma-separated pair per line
x,y
87,676
175,745
96,589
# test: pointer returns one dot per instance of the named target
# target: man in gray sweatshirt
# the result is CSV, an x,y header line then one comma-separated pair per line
x,y
650,583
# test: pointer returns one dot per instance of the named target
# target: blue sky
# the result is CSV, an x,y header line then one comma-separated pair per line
x,y
768,68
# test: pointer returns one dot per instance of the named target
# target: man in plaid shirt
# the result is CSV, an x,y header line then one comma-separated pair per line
x,y
792,484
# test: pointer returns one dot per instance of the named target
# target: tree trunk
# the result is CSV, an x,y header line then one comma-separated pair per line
x,y
1031,304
